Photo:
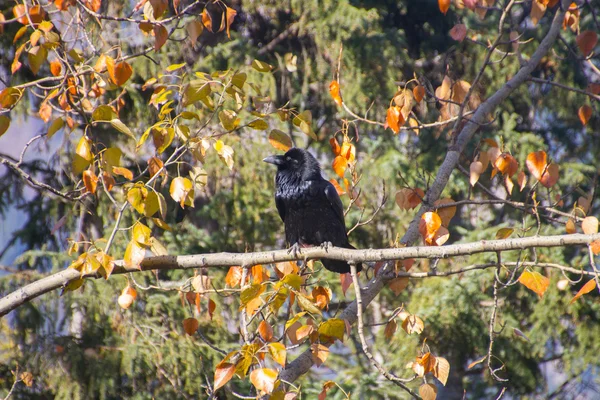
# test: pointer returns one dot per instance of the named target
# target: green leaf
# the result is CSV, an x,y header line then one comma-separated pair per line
x,y
36,56
196,90
239,80
56,125
261,66
504,233
304,122
306,304
120,126
259,124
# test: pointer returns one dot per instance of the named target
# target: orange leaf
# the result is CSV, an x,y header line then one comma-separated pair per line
x,y
234,276
570,226
90,180
124,172
339,165
265,331
428,391
419,93
444,6
55,68
550,176
190,326
588,287
337,187
223,374
586,41
585,113
408,198
595,247
521,180
280,140
120,73
428,226
335,147
535,281
394,118
230,14
334,90
322,296
589,225
207,20
506,164
572,17
536,163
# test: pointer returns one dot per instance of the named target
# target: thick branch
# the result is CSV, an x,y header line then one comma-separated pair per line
x,y
55,281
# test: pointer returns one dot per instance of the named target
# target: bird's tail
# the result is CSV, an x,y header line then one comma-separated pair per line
x,y
340,267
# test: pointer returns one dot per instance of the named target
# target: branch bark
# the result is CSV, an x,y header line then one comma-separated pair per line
x,y
60,279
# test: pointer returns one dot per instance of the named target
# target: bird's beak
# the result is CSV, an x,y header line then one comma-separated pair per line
x,y
276,160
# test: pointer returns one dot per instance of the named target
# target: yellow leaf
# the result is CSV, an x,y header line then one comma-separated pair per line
x,y
333,328
259,125
141,234
134,254
306,304
83,155
278,352
280,140
182,191
535,281
136,196
304,122
413,324
504,233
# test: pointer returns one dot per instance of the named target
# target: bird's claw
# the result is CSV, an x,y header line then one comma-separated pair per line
x,y
326,245
294,250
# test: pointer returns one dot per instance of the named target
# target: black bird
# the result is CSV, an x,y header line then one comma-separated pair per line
x,y
309,206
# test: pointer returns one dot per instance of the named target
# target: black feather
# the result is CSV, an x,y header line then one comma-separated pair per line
x,y
309,206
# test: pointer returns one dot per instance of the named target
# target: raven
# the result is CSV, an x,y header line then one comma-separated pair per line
x,y
309,206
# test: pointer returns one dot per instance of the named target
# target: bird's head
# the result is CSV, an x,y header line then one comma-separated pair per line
x,y
297,162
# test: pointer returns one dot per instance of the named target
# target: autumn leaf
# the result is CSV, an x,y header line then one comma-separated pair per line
x,y
398,284
160,37
586,41
444,5
441,369
585,113
120,73
207,20
223,374
190,326
394,119
458,32
413,324
588,287
319,353
589,225
230,14
535,282
265,331
390,329
429,224
334,90
264,379
280,140
504,233
418,93
90,181
234,276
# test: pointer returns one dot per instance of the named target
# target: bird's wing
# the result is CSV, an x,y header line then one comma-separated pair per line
x,y
280,204
334,199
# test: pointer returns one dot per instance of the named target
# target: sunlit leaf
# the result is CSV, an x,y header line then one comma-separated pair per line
x,y
277,352
334,91
207,20
230,14
413,324
223,374
264,379
182,191
535,282
428,391
4,124
394,118
333,327
589,225
429,224
280,140
588,287
319,353
90,181
261,66
503,233
265,331
441,369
